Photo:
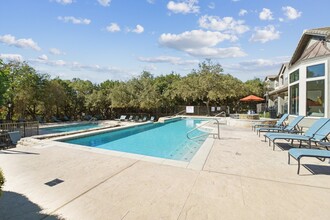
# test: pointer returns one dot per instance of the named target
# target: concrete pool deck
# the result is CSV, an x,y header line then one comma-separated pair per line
x,y
242,178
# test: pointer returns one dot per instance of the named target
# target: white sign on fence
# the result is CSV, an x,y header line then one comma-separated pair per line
x,y
189,109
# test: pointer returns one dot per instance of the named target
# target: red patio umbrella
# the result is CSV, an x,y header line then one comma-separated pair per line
x,y
251,98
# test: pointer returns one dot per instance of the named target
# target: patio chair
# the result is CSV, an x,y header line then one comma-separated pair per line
x,y
279,123
40,119
300,153
316,133
135,119
66,118
143,119
121,118
14,136
130,118
292,127
54,119
152,118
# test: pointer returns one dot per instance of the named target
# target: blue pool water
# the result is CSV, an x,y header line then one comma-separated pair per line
x,y
164,140
68,128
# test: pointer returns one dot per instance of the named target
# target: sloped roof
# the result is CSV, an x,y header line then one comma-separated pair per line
x,y
317,49
270,77
283,66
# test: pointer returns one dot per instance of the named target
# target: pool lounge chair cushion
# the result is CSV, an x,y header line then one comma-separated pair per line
x,y
316,133
300,153
292,127
279,123
130,118
122,118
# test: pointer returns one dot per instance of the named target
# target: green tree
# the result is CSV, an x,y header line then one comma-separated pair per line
x,y
81,89
4,81
55,98
201,85
254,86
2,181
24,90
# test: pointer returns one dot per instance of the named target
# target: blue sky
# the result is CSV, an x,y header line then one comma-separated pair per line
x,y
117,39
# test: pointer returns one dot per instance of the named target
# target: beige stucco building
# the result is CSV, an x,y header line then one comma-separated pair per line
x,y
277,90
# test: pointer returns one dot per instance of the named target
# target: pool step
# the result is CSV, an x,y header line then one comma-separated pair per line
x,y
185,151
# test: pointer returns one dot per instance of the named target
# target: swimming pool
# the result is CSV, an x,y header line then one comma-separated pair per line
x,y
68,128
165,140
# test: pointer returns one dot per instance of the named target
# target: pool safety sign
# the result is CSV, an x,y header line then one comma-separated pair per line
x,y
189,109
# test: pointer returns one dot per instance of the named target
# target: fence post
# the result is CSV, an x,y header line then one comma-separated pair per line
x,y
24,123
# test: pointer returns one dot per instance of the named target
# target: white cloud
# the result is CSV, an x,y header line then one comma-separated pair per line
x,y
43,57
183,6
200,43
150,68
265,34
281,19
242,12
151,1
64,2
209,52
74,20
258,63
260,68
56,51
168,59
12,57
138,29
113,27
193,39
104,3
227,24
69,70
21,43
291,13
211,5
266,14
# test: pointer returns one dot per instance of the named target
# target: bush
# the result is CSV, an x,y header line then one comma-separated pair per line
x,y
266,115
2,181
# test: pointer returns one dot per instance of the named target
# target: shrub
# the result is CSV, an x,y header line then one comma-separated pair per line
x,y
266,115
2,181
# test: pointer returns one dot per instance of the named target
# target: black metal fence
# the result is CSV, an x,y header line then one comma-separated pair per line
x,y
203,110
26,129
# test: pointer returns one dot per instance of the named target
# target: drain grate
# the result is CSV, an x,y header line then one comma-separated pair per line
x,y
54,182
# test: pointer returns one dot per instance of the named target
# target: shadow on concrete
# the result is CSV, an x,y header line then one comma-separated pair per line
x,y
317,169
11,151
17,206
284,146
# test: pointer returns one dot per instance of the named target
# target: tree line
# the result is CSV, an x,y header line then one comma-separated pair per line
x,y
27,94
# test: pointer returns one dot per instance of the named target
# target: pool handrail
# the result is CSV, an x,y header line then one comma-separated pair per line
x,y
221,113
207,133
179,113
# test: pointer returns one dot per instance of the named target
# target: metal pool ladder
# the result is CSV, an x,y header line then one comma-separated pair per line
x,y
215,134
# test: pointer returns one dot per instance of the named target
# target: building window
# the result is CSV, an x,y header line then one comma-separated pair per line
x,y
315,98
294,99
315,71
294,76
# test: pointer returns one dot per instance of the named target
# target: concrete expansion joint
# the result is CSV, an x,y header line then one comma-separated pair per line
x,y
269,180
191,189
